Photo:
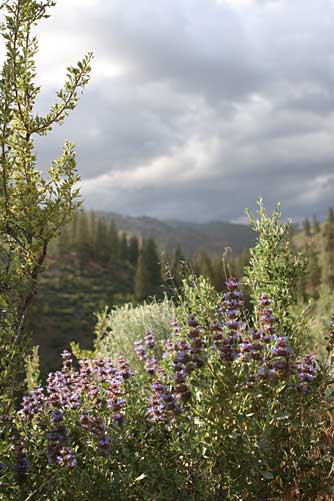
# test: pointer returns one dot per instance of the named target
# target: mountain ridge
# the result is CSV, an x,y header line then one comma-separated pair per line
x,y
213,236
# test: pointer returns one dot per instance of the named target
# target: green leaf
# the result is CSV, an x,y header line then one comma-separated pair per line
x,y
267,475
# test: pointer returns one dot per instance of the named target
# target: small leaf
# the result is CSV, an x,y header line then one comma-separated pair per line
x,y
267,475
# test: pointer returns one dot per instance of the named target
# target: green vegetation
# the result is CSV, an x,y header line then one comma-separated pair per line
x,y
317,288
116,331
227,404
33,208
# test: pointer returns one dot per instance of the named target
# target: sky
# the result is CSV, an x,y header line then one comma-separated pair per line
x,y
196,107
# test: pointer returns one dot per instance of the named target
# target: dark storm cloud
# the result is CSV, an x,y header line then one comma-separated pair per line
x,y
196,107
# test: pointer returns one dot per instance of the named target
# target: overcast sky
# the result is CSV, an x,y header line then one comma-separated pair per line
x,y
197,107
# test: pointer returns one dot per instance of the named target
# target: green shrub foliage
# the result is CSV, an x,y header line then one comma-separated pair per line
x,y
117,330
227,406
33,208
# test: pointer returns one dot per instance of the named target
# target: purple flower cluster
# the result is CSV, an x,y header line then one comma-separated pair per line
x,y
58,390
330,338
196,342
149,340
227,335
67,362
266,316
124,368
151,365
115,402
21,465
67,458
231,337
251,348
163,404
33,403
188,355
146,353
57,437
306,372
97,382
232,305
278,362
182,365
96,428
272,352
170,341
281,348
90,379
139,349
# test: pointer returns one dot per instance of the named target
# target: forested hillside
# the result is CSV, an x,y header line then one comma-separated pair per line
x,y
94,263
316,241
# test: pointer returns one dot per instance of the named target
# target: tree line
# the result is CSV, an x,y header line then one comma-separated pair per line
x,y
92,238
318,246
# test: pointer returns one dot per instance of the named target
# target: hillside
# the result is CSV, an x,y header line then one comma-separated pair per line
x,y
68,295
93,264
214,237
302,241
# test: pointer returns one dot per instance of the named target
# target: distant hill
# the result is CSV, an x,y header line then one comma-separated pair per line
x,y
214,237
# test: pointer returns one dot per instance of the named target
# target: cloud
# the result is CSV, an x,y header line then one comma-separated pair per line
x,y
197,106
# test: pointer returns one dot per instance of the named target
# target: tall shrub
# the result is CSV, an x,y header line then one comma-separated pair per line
x,y
276,269
33,208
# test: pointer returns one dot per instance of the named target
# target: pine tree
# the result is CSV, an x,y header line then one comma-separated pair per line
x,y
102,249
307,227
327,254
64,241
152,265
313,271
123,247
203,265
133,250
315,225
84,242
92,218
114,243
330,216
74,229
142,284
